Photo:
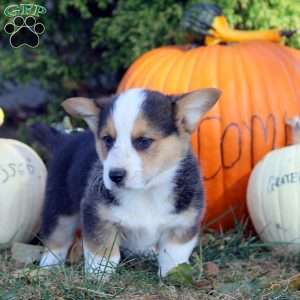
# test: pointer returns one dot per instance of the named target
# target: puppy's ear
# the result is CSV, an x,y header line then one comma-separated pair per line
x,y
192,106
83,108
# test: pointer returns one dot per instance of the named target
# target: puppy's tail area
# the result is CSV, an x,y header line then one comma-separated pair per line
x,y
48,137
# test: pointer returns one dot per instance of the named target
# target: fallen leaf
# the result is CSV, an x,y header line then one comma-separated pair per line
x,y
212,268
294,282
203,284
75,252
181,275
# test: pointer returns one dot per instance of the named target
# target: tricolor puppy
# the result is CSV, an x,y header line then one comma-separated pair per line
x,y
130,183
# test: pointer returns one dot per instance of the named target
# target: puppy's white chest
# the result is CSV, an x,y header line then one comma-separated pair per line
x,y
144,216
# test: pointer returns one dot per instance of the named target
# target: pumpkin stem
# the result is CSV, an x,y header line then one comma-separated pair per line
x,y
208,21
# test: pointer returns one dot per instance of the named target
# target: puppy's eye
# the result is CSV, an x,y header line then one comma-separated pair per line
x,y
108,141
142,143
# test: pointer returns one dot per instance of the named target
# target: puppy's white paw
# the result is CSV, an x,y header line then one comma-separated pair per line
x,y
49,260
52,258
99,267
173,254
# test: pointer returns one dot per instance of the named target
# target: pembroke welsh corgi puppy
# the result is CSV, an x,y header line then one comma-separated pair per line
x,y
131,182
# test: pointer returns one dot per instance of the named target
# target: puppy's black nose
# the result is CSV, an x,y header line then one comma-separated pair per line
x,y
117,175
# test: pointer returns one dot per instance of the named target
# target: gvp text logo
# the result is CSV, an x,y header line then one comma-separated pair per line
x,y
23,29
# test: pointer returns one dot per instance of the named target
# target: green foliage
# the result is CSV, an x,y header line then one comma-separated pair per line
x,y
262,14
87,45
135,27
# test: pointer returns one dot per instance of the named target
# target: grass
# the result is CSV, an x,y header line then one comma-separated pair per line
x,y
224,266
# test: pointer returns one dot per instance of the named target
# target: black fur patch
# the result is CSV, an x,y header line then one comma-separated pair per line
x,y
68,172
188,185
105,112
159,110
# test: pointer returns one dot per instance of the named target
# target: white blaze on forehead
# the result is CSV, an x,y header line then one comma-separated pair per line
x,y
126,110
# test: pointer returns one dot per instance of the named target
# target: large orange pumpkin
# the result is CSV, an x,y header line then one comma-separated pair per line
x,y
260,82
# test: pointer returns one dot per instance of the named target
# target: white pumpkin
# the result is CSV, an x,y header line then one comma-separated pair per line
x,y
273,197
22,186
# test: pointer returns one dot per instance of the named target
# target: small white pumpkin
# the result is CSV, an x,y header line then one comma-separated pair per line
x,y
273,197
22,186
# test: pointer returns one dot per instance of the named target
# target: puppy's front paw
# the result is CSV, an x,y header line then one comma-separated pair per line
x,y
167,264
52,258
100,268
173,254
